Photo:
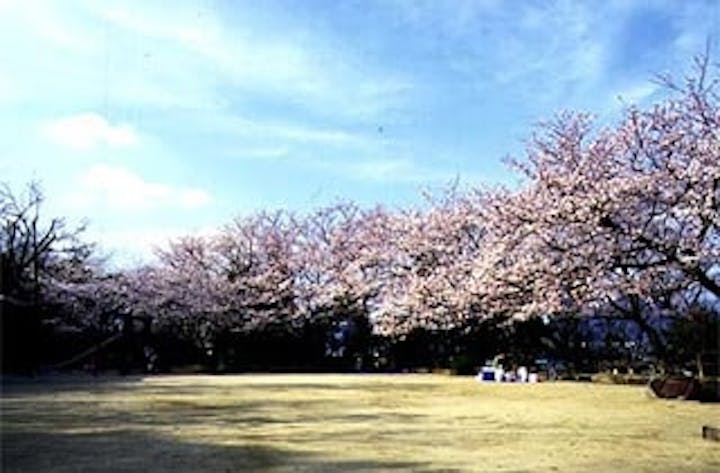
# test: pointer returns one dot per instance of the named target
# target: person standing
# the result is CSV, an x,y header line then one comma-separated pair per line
x,y
498,367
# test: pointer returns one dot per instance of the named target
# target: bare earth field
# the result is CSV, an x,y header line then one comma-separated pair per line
x,y
347,423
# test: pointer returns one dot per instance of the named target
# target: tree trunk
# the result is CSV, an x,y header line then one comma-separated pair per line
x,y
699,363
656,340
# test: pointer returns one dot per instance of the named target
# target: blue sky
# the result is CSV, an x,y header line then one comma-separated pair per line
x,y
154,119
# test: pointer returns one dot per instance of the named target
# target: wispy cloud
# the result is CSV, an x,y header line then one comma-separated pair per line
x,y
262,153
190,57
275,138
395,170
295,68
553,50
635,94
87,131
60,26
117,188
295,133
541,51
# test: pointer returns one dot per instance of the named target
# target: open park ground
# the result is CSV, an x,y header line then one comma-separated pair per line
x,y
347,423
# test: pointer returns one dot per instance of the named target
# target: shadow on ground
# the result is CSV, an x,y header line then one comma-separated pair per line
x,y
135,450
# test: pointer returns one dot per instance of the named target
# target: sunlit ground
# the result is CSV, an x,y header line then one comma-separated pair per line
x,y
347,423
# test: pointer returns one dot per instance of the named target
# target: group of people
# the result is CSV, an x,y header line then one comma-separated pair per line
x,y
496,372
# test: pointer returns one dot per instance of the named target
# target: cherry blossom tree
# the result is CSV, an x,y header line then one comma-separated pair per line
x,y
429,256
238,279
338,257
626,217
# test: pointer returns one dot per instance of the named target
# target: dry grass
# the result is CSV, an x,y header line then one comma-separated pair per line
x,y
348,423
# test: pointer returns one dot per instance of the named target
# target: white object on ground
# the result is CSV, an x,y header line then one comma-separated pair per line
x,y
522,373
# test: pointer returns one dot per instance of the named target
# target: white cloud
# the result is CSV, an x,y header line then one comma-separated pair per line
x,y
144,54
87,131
117,188
136,246
133,246
60,25
305,71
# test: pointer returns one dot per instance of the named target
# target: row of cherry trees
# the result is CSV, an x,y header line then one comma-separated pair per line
x,y
618,222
